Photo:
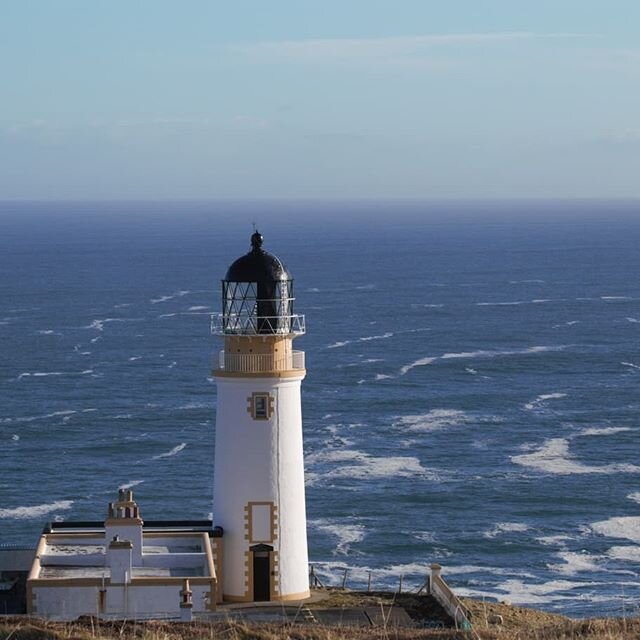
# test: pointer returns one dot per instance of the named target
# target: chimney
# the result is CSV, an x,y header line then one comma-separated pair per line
x,y
124,521
186,602
119,560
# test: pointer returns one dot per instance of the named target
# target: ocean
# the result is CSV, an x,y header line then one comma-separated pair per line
x,y
471,396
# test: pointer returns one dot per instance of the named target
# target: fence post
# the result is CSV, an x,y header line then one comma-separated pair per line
x,y
344,579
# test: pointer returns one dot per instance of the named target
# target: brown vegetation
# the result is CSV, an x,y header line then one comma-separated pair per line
x,y
492,621
24,629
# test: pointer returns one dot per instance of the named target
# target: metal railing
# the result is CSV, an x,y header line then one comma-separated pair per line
x,y
250,325
260,362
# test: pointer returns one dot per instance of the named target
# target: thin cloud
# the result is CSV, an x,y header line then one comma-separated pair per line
x,y
380,49
623,137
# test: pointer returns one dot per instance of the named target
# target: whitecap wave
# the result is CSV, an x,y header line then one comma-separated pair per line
x,y
467,569
177,294
559,540
626,553
44,374
627,527
505,527
570,323
37,511
630,365
540,400
485,354
134,358
205,404
554,457
433,420
40,374
602,431
98,325
634,496
614,298
633,320
343,343
360,362
347,534
362,466
421,362
177,449
131,484
48,332
44,416
519,592
425,536
574,563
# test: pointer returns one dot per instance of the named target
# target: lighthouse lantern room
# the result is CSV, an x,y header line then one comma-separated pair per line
x,y
259,498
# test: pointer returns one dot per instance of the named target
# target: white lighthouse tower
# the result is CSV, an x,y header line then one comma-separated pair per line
x,y
258,495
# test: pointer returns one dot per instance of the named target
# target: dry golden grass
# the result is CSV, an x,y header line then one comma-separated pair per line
x,y
87,630
517,623
21,629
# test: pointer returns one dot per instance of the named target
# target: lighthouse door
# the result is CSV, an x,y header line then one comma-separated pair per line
x,y
261,572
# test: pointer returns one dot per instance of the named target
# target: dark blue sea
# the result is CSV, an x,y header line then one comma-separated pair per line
x,y
472,395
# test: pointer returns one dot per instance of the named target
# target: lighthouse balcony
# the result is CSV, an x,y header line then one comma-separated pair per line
x,y
244,324
259,362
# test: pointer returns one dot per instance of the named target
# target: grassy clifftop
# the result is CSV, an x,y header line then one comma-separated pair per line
x,y
492,621
601,629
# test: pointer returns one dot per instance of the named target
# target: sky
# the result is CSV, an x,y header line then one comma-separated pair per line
x,y
335,99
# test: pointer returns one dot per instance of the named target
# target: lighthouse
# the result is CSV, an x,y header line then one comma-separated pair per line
x,y
259,498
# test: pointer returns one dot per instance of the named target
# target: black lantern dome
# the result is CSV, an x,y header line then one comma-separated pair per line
x,y
257,266
257,294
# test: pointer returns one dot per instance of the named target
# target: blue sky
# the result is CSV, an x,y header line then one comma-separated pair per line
x,y
297,99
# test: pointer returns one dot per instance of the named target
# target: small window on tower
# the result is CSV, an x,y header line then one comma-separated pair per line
x,y
260,406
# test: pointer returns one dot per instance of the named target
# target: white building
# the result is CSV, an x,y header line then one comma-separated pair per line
x,y
259,498
124,567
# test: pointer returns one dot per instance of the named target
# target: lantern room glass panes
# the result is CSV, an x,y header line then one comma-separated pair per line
x,y
257,308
